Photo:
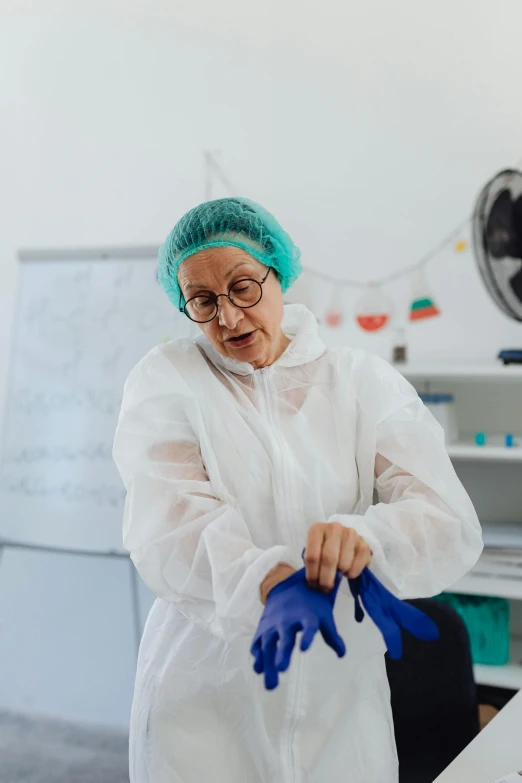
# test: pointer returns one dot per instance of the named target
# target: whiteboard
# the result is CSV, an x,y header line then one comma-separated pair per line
x,y
83,320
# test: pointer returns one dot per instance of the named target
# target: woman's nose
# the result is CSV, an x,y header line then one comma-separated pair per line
x,y
228,314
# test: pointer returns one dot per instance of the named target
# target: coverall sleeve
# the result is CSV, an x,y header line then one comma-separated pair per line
x,y
423,532
189,544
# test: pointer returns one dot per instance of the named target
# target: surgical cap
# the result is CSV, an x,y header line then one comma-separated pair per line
x,y
228,222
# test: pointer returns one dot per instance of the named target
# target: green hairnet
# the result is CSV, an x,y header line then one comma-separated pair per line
x,y
228,222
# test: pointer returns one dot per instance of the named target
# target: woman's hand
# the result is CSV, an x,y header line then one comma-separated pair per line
x,y
331,547
278,574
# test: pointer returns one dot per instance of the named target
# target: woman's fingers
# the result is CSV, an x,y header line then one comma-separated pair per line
x,y
259,665
308,637
312,555
348,548
330,556
332,638
269,665
331,547
286,646
361,558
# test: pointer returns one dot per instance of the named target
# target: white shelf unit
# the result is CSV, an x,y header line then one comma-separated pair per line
x,y
469,451
469,372
508,676
480,584
495,466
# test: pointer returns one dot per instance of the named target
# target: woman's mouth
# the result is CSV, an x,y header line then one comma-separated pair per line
x,y
243,339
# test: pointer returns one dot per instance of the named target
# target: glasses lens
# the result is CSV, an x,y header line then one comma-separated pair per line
x,y
201,308
245,293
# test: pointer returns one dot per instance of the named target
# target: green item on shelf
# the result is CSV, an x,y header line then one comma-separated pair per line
x,y
487,621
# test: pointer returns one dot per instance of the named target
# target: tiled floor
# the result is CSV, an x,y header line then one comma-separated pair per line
x,y
45,751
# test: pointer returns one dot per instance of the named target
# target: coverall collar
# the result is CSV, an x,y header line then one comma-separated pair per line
x,y
299,325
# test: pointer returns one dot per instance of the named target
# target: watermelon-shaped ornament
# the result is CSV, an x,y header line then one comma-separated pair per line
x,y
373,310
422,305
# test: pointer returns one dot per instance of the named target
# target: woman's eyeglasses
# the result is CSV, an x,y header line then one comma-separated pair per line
x,y
204,308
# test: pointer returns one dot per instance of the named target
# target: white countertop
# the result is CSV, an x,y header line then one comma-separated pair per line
x,y
495,752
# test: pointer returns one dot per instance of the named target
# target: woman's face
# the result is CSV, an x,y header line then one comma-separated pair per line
x,y
215,270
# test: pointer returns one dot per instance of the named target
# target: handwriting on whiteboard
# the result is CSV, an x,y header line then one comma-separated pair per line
x,y
45,403
68,491
80,328
90,452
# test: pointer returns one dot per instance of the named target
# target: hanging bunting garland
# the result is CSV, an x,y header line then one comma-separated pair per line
x,y
334,315
422,305
300,293
373,310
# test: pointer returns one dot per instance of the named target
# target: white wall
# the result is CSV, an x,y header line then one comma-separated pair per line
x,y
366,127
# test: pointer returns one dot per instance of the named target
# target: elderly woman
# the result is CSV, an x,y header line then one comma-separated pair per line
x,y
238,450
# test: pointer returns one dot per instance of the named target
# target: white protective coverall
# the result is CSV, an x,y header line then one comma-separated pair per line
x,y
226,468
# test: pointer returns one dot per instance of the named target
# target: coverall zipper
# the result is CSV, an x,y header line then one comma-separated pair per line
x,y
298,661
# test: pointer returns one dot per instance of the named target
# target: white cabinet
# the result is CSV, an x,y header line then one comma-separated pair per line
x,y
488,399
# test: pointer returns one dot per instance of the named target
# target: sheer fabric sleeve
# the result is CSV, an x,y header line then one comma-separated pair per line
x,y
187,538
424,532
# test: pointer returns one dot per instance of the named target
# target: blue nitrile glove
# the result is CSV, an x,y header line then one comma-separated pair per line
x,y
293,606
390,614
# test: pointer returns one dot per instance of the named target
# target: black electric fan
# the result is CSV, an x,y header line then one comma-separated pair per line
x,y
497,242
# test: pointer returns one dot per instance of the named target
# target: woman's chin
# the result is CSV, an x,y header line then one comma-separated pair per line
x,y
249,354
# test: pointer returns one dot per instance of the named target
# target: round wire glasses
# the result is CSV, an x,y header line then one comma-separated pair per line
x,y
244,293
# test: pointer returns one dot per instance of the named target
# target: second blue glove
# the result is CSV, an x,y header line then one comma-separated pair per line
x,y
389,613
292,606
